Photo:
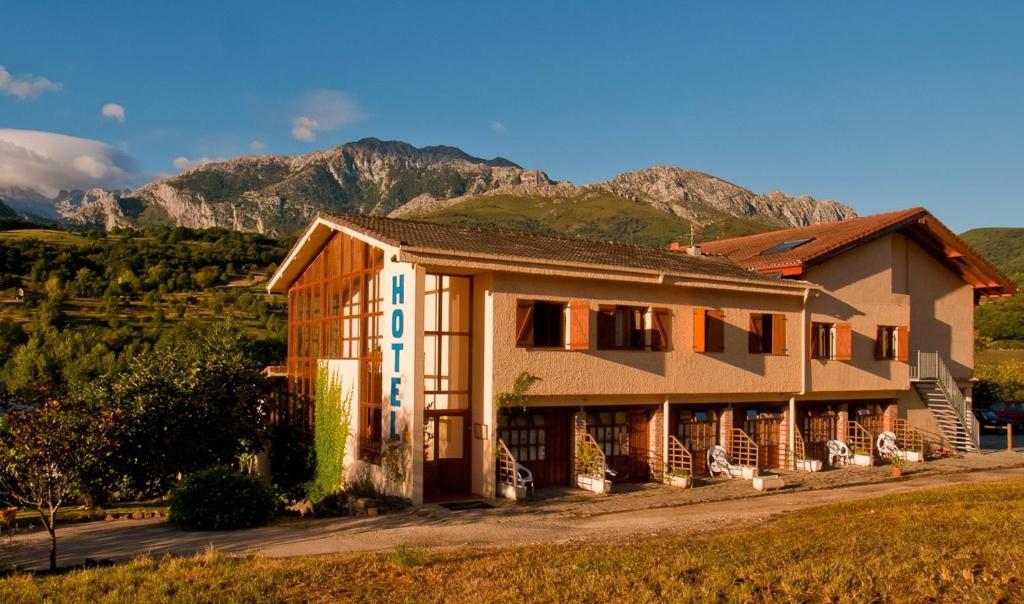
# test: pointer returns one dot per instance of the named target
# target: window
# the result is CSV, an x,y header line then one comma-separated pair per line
x,y
524,435
627,328
708,330
891,343
785,246
548,324
831,341
767,333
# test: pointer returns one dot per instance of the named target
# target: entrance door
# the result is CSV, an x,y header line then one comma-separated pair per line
x,y
539,440
819,428
446,454
765,429
622,435
697,430
639,448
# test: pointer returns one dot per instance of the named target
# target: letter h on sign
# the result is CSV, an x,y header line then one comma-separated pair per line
x,y
397,329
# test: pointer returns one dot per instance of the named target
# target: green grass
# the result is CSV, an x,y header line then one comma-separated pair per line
x,y
594,215
45,235
958,543
990,356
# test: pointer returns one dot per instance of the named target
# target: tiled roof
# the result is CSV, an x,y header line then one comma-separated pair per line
x,y
817,242
825,237
508,245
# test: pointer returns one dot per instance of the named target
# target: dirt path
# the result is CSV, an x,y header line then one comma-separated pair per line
x,y
436,527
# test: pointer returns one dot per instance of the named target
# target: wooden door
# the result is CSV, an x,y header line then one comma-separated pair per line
x,y
446,455
639,446
819,427
539,440
610,428
765,430
697,430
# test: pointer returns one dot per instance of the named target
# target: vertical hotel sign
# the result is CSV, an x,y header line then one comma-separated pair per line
x,y
397,327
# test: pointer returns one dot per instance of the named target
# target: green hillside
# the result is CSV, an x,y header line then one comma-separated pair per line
x,y
1000,323
1004,247
599,216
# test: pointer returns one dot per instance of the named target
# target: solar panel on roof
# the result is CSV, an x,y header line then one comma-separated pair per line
x,y
785,246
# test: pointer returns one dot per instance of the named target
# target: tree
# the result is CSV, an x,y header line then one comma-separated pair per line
x,y
46,452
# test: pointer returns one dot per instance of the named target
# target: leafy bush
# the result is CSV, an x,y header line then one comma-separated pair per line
x,y
1000,381
220,499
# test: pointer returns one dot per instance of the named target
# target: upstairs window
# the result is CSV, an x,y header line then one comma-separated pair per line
x,y
553,324
831,341
632,328
767,333
891,343
708,330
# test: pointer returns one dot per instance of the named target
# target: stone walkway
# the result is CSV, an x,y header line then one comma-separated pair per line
x,y
553,517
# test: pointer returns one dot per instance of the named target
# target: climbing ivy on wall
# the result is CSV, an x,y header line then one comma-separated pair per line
x,y
332,425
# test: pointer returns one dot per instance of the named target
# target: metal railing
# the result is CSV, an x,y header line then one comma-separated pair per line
x,y
743,449
590,459
507,466
860,439
929,366
680,460
798,453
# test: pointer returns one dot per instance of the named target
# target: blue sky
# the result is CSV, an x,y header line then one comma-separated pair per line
x,y
879,105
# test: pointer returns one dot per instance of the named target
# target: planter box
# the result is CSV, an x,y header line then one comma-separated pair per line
x,y
915,456
511,492
863,460
594,485
809,465
769,482
744,472
682,482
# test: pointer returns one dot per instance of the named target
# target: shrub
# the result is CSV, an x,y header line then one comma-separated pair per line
x,y
220,499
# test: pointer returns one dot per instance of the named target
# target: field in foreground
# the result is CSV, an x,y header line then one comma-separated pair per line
x,y
957,544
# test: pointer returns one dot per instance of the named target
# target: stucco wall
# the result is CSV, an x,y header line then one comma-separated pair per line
x,y
858,290
642,373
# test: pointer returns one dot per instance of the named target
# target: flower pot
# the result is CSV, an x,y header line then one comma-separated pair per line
x,y
897,471
915,456
810,465
682,482
594,485
859,459
515,493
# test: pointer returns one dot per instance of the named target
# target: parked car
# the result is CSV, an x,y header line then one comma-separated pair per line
x,y
990,421
1009,410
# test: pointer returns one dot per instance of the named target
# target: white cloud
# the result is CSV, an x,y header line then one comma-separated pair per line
x,y
26,87
183,163
48,162
257,145
113,111
322,111
497,127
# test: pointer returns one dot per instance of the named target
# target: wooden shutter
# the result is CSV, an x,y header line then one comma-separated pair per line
x,y
659,335
579,325
606,327
524,323
755,334
699,329
716,331
902,343
844,342
779,334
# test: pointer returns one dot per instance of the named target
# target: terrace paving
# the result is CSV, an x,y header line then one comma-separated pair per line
x,y
554,516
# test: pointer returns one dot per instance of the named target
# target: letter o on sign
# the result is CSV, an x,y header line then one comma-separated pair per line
x,y
397,323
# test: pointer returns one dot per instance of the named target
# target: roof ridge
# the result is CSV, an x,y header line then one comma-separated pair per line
x,y
906,211
499,231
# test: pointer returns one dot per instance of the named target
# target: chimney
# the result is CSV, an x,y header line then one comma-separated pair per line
x,y
675,246
694,250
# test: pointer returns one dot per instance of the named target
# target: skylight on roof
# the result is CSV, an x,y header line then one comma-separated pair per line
x,y
785,246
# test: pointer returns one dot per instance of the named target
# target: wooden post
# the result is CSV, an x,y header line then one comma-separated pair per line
x,y
1009,438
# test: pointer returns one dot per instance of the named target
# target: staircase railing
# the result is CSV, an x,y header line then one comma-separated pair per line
x,y
507,470
680,460
743,449
907,437
930,366
590,459
860,440
798,453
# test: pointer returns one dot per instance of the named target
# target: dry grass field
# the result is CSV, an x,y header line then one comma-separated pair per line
x,y
953,544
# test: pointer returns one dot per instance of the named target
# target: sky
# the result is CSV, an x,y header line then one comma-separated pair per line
x,y
880,105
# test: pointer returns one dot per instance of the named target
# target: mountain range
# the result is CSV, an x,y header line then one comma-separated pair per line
x,y
277,195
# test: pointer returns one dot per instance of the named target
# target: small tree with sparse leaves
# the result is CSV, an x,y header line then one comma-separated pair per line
x,y
46,453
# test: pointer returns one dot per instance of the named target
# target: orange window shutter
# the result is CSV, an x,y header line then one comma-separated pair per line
x,y
699,329
844,342
579,325
660,338
902,343
779,334
524,323
754,334
716,331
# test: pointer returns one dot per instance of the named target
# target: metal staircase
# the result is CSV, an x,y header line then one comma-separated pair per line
x,y
939,390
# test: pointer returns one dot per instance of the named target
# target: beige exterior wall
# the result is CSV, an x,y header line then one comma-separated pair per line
x,y
642,375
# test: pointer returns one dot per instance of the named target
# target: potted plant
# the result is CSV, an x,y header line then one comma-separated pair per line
x,y
897,462
863,458
678,477
810,465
